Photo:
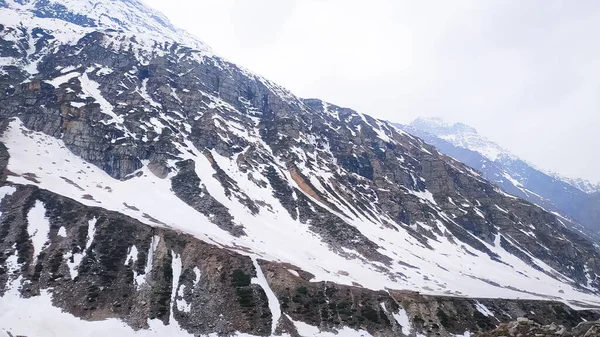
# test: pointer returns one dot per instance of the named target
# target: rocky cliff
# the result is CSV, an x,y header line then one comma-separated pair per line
x,y
63,261
153,186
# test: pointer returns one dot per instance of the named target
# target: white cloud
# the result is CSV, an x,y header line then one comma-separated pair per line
x,y
525,74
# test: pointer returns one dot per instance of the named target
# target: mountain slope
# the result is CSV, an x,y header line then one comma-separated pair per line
x,y
510,173
132,160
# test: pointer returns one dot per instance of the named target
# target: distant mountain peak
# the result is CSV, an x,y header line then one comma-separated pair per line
x,y
462,135
441,125
571,197
466,136
579,183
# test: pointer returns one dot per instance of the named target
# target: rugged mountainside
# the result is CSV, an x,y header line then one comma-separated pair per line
x,y
570,197
149,184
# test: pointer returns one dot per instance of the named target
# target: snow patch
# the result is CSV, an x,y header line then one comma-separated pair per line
x,y
177,267
197,274
92,89
306,330
401,318
38,227
74,259
63,79
141,279
5,191
132,257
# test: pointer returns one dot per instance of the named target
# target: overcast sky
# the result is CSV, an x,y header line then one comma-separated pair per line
x,y
525,73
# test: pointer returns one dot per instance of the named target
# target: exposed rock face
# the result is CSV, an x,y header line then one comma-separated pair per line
x,y
105,265
186,185
126,269
149,181
527,327
329,305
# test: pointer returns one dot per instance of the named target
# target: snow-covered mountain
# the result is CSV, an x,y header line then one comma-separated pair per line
x,y
69,18
462,135
581,184
569,197
150,187
466,137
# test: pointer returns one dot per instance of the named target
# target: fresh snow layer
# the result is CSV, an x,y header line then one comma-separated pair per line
x,y
463,136
477,143
447,269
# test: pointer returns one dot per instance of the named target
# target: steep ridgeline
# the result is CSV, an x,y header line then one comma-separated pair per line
x,y
582,184
571,198
151,185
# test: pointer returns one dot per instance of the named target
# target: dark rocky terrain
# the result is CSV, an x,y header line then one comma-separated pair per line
x,y
148,181
215,283
527,327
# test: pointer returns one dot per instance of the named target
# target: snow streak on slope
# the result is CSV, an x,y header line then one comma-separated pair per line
x,y
313,331
273,301
38,227
445,268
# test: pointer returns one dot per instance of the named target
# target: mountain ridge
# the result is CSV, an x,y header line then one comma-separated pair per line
x,y
467,137
512,174
129,155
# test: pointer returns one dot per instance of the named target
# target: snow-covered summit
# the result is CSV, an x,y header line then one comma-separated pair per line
x,y
443,126
131,16
465,136
579,183
571,197
462,135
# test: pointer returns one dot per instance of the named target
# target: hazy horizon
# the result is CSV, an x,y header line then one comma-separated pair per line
x,y
524,74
